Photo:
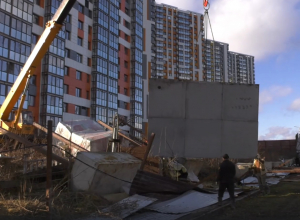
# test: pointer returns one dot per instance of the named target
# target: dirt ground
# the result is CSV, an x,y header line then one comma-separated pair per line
x,y
281,204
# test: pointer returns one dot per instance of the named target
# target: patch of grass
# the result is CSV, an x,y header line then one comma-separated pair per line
x,y
282,203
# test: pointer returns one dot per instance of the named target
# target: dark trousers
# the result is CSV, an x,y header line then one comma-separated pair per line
x,y
229,187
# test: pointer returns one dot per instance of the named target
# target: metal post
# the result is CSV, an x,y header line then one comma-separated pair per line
x,y
49,168
115,143
147,150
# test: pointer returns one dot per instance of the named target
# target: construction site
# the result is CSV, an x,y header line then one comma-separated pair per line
x,y
88,170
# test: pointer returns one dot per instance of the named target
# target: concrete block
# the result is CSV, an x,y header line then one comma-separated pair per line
x,y
103,173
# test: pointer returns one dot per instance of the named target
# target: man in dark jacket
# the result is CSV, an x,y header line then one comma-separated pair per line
x,y
226,179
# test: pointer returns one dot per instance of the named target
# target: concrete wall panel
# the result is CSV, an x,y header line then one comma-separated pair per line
x,y
240,102
169,138
199,119
201,138
239,139
171,101
203,102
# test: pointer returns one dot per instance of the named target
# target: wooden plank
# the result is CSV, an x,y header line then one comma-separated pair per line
x,y
123,135
285,171
60,138
27,143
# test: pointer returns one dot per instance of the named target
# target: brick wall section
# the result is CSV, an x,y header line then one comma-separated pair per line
x,y
274,150
74,83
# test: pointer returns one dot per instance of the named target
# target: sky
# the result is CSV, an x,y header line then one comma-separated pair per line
x,y
270,31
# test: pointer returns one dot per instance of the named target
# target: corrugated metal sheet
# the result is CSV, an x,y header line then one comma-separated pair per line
x,y
154,216
145,182
128,206
186,202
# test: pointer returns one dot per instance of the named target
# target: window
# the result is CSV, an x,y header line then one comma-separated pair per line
x,y
67,53
90,14
80,25
77,110
66,89
169,12
31,100
89,46
126,50
68,18
86,3
65,107
79,41
68,35
126,37
127,24
78,75
32,80
34,38
66,70
126,64
78,92
79,58
80,8
87,94
37,2
125,91
36,19
125,77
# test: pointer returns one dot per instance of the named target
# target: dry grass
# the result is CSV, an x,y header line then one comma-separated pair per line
x,y
65,205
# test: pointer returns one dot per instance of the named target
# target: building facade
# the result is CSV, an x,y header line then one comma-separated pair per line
x,y
93,68
100,62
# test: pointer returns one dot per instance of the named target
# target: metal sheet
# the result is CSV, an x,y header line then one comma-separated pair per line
x,y
145,182
154,216
128,206
186,202
200,119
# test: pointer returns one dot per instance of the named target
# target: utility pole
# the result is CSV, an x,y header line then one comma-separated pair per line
x,y
49,169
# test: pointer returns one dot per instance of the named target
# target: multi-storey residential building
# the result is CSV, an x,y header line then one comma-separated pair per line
x,y
175,48
93,68
215,62
241,68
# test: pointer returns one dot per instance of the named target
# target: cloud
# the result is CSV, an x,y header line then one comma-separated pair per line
x,y
254,27
279,133
295,106
272,93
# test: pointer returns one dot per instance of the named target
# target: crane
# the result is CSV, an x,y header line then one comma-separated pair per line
x,y
23,120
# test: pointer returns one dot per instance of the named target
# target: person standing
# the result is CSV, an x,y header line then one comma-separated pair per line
x,y
226,180
259,170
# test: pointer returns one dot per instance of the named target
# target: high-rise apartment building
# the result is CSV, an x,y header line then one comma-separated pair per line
x,y
241,68
93,68
173,45
175,48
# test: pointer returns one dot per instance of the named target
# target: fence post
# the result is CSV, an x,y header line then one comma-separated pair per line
x,y
49,168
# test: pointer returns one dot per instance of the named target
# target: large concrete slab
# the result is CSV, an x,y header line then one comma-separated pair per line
x,y
200,119
204,101
171,94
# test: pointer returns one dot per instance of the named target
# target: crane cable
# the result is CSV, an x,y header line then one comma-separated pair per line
x,y
206,7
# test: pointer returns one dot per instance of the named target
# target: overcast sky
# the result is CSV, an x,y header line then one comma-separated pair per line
x,y
270,31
